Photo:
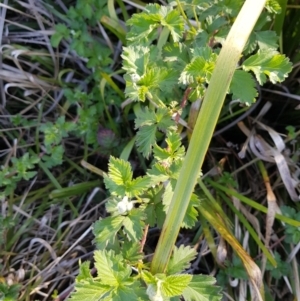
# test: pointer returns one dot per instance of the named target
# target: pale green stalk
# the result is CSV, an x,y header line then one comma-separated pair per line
x,y
203,131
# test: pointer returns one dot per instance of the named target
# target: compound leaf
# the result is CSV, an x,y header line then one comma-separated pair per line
x,y
174,285
131,251
89,291
148,122
138,185
268,63
146,138
111,268
84,272
201,288
175,24
133,224
181,259
119,176
106,229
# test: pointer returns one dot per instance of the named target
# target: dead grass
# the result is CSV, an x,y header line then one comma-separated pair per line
x,y
48,236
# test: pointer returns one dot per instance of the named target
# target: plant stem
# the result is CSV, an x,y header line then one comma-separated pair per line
x,y
205,125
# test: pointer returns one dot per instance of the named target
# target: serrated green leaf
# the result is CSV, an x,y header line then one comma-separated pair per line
x,y
156,10
61,31
282,268
292,234
176,53
164,120
56,157
89,291
154,81
150,214
86,10
127,293
106,229
216,24
119,178
268,63
201,288
236,269
9,292
148,122
139,185
148,277
143,25
173,151
115,189
84,272
251,44
267,39
288,211
194,72
111,268
133,224
168,79
151,201
175,168
145,139
181,259
160,215
131,251
158,173
55,39
174,22
136,59
242,87
119,171
159,153
201,67
174,285
145,117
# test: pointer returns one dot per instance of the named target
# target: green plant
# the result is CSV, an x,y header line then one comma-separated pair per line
x,y
9,293
90,107
292,234
173,52
20,169
54,100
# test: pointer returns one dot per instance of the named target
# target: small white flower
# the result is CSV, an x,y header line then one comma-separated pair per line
x,y
154,292
124,206
135,77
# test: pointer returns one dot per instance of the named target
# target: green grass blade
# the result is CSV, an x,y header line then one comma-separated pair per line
x,y
252,203
205,125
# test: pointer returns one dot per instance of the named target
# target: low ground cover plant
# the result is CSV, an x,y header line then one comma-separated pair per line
x,y
185,65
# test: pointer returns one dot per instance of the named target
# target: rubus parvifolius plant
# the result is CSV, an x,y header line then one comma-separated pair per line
x,y
175,55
